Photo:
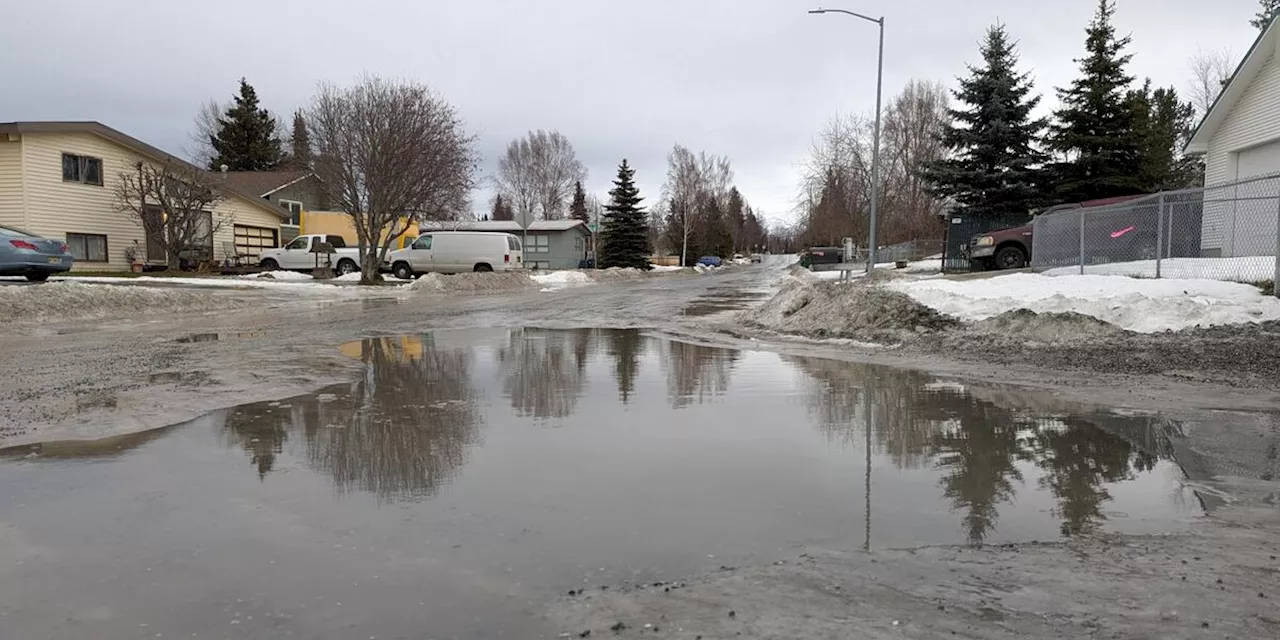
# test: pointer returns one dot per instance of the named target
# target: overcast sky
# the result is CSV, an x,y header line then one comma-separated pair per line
x,y
753,79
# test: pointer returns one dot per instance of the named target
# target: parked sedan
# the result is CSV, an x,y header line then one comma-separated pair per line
x,y
25,254
710,261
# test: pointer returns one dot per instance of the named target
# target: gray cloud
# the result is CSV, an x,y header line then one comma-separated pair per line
x,y
753,79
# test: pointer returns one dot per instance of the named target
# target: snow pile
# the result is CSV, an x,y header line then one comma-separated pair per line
x,y
561,279
1028,326
615,274
473,282
1146,306
1246,269
279,276
829,310
72,301
658,268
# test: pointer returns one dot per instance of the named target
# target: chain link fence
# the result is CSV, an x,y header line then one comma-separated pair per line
x,y
1223,232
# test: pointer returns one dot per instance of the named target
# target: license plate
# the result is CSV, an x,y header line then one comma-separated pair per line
x,y
55,260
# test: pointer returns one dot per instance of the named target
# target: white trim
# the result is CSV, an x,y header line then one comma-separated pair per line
x,y
1264,48
287,185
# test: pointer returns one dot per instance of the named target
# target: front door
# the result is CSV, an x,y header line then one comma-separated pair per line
x,y
420,254
153,226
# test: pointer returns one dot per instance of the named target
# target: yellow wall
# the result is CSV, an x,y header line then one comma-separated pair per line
x,y
56,208
337,223
11,182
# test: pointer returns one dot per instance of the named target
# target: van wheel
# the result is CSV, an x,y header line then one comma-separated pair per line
x,y
269,265
402,271
346,266
1010,258
483,268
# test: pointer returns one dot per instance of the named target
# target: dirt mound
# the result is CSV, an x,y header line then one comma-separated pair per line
x,y
476,282
72,300
1027,325
616,274
830,310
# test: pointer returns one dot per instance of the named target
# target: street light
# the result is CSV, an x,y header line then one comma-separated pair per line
x,y
875,149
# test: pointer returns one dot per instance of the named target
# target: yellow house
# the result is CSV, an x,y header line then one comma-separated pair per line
x,y
58,180
338,223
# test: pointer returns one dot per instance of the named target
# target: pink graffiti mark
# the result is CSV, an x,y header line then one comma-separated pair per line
x,y
1117,234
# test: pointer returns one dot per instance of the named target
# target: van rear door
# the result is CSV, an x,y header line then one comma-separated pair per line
x,y
515,253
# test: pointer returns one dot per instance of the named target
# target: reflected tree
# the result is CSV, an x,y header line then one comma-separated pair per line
x,y
545,371
261,430
1078,461
625,346
695,372
978,453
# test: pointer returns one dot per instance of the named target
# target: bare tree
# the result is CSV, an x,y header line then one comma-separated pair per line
x,y
913,127
693,183
1210,72
173,202
537,174
392,153
205,128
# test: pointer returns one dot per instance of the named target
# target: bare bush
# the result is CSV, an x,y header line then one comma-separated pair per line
x,y
174,204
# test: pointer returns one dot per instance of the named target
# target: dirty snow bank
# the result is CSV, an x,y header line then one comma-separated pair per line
x,y
830,310
473,282
561,279
1145,306
280,276
73,300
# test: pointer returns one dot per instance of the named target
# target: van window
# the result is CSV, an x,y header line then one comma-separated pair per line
x,y
513,243
338,242
423,242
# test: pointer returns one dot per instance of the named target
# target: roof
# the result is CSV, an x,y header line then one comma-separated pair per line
x,y
129,142
1263,49
265,183
509,226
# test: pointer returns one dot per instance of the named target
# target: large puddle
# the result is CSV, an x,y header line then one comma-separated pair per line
x,y
470,476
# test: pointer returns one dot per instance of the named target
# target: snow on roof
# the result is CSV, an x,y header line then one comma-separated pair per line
x,y
509,226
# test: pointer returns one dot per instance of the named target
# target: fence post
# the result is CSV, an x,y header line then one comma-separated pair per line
x,y
1081,241
1275,280
1159,233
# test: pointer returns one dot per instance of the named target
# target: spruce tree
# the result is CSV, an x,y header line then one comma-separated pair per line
x,y
578,208
246,139
1163,125
1094,129
501,210
625,236
995,169
301,142
1270,9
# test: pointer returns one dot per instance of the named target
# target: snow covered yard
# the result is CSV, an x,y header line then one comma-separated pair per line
x,y
1142,305
1245,269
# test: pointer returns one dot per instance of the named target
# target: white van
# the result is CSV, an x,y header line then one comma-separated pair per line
x,y
456,252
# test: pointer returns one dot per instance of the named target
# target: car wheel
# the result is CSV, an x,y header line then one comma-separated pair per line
x,y
269,265
402,271
37,277
346,266
1010,258
483,268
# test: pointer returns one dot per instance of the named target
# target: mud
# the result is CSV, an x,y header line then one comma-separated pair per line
x,y
831,310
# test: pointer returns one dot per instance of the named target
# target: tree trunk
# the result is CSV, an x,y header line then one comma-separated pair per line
x,y
370,263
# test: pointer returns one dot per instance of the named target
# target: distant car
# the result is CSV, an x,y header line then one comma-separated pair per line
x,y
821,256
710,261
29,255
755,257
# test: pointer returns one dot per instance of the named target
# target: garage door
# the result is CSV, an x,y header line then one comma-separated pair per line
x,y
254,240
1259,160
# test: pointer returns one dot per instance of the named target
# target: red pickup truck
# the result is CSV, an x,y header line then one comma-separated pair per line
x,y
1011,248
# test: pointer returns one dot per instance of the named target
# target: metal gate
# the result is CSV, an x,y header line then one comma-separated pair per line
x,y
962,228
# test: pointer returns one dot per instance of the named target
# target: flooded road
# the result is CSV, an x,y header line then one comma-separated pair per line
x,y
472,476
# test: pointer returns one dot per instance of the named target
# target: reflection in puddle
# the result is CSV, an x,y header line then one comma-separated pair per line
x,y
467,471
214,337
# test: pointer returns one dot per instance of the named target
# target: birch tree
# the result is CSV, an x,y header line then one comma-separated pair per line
x,y
537,174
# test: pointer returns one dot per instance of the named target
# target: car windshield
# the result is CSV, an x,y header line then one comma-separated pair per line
x,y
17,233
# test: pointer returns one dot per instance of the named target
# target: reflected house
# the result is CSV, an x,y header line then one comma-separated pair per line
x,y
545,370
978,445
696,373
400,432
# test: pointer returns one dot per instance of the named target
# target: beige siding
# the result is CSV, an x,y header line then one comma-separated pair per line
x,y
11,182
1255,120
57,208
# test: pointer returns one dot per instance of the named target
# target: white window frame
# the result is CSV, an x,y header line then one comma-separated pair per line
x,y
538,243
288,205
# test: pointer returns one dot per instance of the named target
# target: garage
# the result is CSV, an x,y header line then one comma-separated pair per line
x,y
252,241
1258,161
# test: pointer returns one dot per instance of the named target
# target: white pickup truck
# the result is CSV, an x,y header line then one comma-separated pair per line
x,y
297,255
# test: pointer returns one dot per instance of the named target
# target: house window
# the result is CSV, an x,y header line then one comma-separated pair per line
x,y
82,169
295,212
538,244
538,264
87,247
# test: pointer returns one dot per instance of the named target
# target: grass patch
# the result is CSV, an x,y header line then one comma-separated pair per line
x,y
1268,287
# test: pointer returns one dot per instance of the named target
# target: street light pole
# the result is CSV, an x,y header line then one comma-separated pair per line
x,y
875,148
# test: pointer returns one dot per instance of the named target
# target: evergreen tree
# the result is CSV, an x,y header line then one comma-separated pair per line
x,y
501,210
736,219
301,142
1095,129
713,235
1163,124
995,169
578,208
246,138
1270,9
625,235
